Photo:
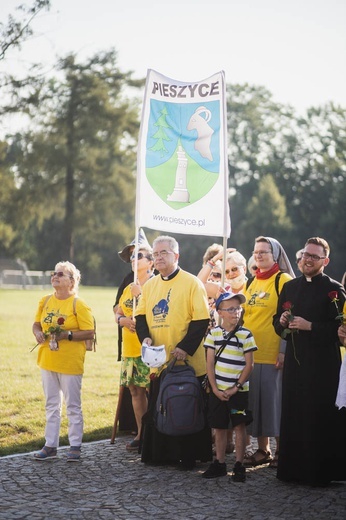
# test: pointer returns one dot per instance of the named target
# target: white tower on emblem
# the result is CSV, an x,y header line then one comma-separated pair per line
x,y
180,192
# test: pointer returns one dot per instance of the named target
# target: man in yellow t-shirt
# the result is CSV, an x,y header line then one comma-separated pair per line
x,y
173,311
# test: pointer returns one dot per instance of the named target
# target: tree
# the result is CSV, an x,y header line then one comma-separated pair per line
x,y
265,214
7,192
16,31
304,156
70,176
76,167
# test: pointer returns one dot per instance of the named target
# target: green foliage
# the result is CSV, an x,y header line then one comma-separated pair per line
x,y
7,194
22,416
17,30
266,210
70,176
75,169
305,157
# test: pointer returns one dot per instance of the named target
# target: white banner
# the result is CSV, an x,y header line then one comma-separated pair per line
x,y
182,169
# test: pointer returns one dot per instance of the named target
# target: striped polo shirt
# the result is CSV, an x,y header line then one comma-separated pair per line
x,y
232,360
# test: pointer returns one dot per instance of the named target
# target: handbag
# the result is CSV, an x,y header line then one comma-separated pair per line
x,y
205,383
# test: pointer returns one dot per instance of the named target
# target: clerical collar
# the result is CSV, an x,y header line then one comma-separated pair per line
x,y
172,275
313,278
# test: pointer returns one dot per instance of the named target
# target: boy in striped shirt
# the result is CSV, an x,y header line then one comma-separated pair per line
x,y
230,350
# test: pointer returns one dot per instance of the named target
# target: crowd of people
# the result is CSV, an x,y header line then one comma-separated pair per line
x,y
270,343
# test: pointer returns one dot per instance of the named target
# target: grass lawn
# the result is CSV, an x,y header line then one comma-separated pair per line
x,y
22,415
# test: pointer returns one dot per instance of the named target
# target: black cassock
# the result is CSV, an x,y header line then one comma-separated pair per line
x,y
313,430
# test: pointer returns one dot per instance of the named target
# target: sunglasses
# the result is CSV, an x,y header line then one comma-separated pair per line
x,y
232,270
140,256
216,275
60,274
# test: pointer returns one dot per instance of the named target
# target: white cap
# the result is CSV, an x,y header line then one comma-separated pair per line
x,y
153,356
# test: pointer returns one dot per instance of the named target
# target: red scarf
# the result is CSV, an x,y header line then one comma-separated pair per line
x,y
264,275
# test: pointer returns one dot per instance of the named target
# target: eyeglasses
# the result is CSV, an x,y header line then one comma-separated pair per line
x,y
260,253
231,310
163,253
140,255
315,258
60,274
232,270
216,275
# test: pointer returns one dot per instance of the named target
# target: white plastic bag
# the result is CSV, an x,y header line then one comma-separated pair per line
x,y
341,395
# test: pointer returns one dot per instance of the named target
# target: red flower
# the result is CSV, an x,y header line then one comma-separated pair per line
x,y
333,295
287,306
53,330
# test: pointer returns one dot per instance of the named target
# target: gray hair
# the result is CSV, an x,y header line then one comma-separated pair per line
x,y
173,244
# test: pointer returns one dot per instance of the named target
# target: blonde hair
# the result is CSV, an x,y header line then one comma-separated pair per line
x,y
237,258
73,272
211,251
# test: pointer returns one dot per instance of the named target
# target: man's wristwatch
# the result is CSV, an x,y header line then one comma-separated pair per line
x,y
239,385
70,335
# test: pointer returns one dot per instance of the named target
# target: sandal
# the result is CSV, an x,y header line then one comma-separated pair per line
x,y
73,454
274,462
133,445
254,460
46,453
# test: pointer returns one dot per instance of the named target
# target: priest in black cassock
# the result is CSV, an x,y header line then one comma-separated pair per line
x,y
313,430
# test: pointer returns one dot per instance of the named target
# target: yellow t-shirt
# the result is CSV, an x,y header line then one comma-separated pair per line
x,y
260,307
131,344
69,359
169,307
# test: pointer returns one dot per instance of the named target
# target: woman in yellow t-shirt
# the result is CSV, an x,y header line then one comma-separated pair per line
x,y
273,270
134,373
61,327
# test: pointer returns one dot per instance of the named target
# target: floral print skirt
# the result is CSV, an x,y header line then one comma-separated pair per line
x,y
134,372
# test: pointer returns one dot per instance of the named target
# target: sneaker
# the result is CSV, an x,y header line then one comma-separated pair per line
x,y
73,454
46,453
216,469
239,472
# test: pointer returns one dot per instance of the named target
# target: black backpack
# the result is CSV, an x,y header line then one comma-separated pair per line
x,y
180,406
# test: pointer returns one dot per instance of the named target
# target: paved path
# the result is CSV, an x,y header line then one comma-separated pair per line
x,y
111,483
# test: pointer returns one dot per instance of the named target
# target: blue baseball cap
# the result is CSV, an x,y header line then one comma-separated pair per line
x,y
228,296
